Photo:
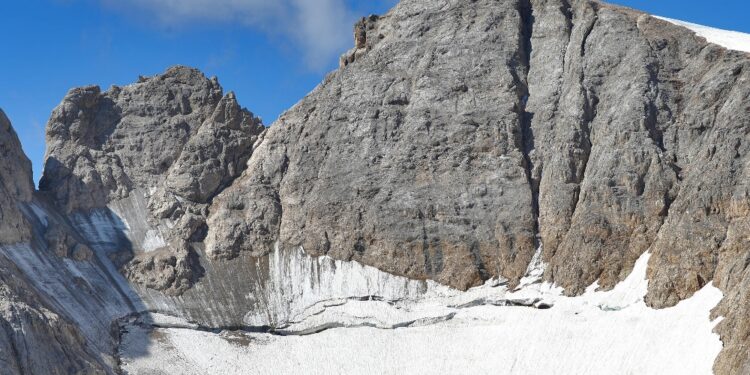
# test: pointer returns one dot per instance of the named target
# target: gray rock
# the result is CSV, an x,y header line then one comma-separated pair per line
x,y
171,269
456,139
16,185
65,244
457,132
174,138
33,338
365,38
410,158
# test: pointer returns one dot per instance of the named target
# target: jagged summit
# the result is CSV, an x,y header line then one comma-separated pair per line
x,y
464,149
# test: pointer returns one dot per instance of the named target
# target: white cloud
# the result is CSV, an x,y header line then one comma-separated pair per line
x,y
320,28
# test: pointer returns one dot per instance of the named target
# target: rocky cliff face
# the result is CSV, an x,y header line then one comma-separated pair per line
x,y
400,160
175,139
460,141
594,131
16,185
34,339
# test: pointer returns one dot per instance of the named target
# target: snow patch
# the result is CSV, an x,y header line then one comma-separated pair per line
x,y
729,39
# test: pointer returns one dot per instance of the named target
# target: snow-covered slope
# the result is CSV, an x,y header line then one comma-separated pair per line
x,y
729,39
487,330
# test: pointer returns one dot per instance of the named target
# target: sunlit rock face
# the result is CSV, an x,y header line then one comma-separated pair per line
x,y
160,149
16,185
464,149
36,337
458,135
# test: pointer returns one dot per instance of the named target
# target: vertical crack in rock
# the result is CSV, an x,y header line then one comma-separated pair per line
x,y
527,145
589,113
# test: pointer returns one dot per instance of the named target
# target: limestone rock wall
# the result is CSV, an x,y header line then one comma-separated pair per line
x,y
35,336
469,133
174,139
16,185
411,159
457,140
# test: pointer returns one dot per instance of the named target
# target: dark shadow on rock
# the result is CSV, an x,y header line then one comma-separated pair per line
x,y
84,287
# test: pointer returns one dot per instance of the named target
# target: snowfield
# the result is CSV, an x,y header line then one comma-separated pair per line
x,y
728,39
488,330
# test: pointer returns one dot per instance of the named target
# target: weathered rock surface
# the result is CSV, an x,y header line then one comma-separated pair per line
x,y
16,185
174,138
33,338
457,140
456,132
410,159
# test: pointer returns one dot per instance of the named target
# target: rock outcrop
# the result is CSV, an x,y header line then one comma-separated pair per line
x,y
364,39
16,185
410,159
34,339
174,139
459,141
458,136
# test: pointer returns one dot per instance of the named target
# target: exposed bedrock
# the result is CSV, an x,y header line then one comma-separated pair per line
x,y
462,131
410,159
35,337
16,185
168,144
457,138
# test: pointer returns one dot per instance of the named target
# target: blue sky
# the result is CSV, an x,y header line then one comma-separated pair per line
x,y
270,52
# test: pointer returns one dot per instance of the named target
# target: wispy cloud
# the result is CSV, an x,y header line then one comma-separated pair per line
x,y
320,28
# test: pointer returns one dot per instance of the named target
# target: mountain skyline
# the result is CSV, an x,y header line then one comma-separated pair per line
x,y
270,67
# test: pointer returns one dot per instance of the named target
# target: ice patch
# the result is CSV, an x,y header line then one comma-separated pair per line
x,y
153,241
535,270
298,282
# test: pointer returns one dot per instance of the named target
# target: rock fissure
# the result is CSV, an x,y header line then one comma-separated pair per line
x,y
527,145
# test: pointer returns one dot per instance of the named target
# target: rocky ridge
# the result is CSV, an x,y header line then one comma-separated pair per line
x,y
458,140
